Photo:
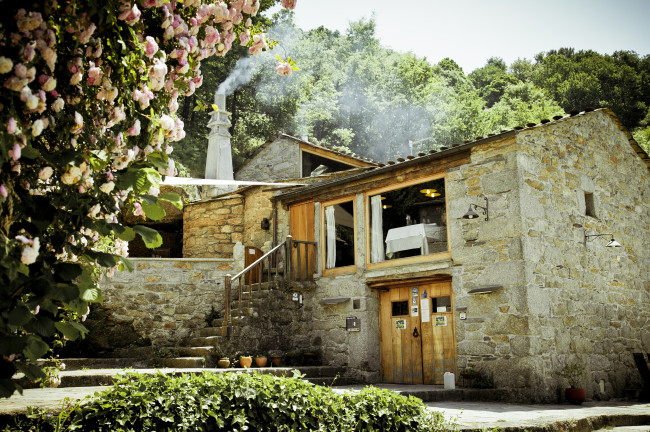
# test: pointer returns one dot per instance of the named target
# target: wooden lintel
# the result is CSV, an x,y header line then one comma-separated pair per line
x,y
406,279
328,154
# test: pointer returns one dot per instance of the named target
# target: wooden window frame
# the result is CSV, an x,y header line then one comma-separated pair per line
x,y
323,233
409,260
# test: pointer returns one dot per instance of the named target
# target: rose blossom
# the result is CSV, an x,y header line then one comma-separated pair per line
x,y
131,16
151,47
289,4
6,65
284,68
3,191
30,252
11,126
45,173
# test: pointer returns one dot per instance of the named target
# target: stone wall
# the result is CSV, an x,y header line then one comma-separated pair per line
x,y
211,228
496,335
277,160
587,302
159,303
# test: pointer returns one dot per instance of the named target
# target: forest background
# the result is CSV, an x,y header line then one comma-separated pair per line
x,y
356,95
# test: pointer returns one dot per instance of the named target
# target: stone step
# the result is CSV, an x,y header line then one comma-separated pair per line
x,y
210,331
98,377
212,341
72,364
197,351
183,362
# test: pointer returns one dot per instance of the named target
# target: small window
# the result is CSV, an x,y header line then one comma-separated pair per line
x,y
400,308
590,208
441,304
339,235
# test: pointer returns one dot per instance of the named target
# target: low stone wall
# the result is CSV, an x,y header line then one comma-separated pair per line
x,y
159,303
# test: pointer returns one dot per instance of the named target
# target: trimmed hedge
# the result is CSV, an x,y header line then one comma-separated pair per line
x,y
234,402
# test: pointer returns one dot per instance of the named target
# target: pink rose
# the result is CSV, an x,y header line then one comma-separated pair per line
x,y
284,68
3,191
289,4
11,126
150,47
131,16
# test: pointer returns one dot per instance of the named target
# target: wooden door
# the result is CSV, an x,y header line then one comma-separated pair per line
x,y
301,227
252,254
417,338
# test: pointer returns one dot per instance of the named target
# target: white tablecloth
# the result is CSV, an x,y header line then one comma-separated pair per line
x,y
413,237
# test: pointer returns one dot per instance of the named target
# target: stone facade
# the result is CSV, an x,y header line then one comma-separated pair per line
x,y
211,228
159,303
276,160
558,298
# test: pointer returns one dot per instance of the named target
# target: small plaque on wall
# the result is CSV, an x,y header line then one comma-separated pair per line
x,y
353,324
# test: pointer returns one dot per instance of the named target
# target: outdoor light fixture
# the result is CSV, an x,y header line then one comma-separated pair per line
x,y
471,213
612,242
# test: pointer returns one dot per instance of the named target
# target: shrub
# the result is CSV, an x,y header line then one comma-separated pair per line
x,y
234,402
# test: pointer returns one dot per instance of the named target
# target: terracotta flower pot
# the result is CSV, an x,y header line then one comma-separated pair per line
x,y
245,362
223,363
261,361
575,396
275,361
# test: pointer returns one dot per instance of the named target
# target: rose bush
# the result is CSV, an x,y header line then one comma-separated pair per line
x,y
88,112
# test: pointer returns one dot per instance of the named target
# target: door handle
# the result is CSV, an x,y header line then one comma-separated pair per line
x,y
415,332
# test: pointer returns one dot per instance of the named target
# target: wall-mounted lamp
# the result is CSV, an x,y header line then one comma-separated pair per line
x,y
471,213
612,242
265,225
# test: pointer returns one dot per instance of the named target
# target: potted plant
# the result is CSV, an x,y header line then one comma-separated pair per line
x,y
293,357
223,362
574,373
276,357
245,361
261,360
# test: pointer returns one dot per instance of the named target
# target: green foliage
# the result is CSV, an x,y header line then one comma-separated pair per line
x,y
573,373
236,402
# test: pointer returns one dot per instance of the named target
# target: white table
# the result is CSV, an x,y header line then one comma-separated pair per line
x,y
415,236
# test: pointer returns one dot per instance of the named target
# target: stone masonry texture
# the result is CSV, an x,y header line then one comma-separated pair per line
x,y
159,303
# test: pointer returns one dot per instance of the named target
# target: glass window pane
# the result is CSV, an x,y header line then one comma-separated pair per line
x,y
339,235
410,221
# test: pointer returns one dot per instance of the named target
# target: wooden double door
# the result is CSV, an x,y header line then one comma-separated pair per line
x,y
417,336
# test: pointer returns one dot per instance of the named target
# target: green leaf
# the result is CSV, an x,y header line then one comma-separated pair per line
x,y
68,330
127,235
153,211
92,295
173,198
67,271
31,371
125,263
35,348
30,152
19,316
11,344
158,159
150,236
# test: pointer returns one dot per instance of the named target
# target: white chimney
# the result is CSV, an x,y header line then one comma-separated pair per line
x,y
218,164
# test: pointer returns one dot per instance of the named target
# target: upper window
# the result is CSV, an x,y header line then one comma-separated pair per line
x,y
339,234
408,221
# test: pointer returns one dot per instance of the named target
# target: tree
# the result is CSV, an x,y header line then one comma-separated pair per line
x,y
89,103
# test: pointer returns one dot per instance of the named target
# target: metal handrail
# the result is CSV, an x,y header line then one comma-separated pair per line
x,y
232,279
288,245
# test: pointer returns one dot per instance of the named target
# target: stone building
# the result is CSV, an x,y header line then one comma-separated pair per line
x,y
491,255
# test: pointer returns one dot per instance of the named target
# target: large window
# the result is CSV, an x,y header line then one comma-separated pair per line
x,y
339,234
408,221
